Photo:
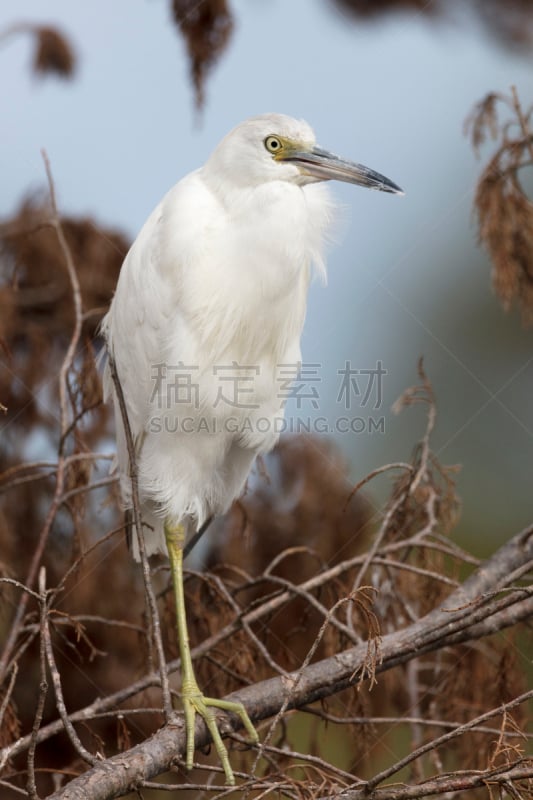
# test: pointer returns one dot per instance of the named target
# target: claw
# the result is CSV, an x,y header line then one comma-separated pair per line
x,y
194,702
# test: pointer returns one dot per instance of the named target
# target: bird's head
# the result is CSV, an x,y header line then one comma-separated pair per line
x,y
274,147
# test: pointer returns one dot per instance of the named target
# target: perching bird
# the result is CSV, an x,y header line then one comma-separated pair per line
x,y
206,319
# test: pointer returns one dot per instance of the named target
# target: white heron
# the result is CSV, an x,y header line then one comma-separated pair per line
x,y
208,309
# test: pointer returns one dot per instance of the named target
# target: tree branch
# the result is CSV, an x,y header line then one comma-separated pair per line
x,y
458,621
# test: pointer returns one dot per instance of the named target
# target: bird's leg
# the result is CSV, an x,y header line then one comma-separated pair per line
x,y
194,702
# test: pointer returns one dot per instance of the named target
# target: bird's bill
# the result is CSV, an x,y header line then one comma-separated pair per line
x,y
325,166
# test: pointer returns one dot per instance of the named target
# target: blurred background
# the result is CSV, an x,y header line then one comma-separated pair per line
x,y
406,276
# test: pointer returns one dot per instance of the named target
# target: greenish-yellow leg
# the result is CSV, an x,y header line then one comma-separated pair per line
x,y
193,700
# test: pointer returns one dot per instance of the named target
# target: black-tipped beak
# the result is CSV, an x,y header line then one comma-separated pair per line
x,y
322,165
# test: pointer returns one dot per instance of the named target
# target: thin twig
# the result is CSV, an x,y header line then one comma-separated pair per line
x,y
60,702
43,689
407,720
155,633
13,788
76,301
526,132
379,471
90,487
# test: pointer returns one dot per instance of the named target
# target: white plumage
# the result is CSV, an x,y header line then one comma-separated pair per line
x,y
218,277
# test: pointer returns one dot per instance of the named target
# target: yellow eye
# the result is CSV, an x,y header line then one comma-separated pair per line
x,y
273,144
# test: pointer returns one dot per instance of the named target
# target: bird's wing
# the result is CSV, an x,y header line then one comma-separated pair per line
x,y
146,314
132,327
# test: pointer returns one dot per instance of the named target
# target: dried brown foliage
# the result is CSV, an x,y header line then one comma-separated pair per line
x,y
509,21
36,315
504,210
207,27
363,8
53,53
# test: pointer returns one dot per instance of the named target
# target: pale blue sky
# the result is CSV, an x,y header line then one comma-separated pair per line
x,y
406,277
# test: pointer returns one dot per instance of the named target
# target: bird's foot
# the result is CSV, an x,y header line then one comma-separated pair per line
x,y
194,702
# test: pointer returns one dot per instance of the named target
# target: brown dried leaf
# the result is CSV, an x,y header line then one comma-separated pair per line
x,y
483,120
206,27
53,53
505,213
78,476
10,730
89,380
